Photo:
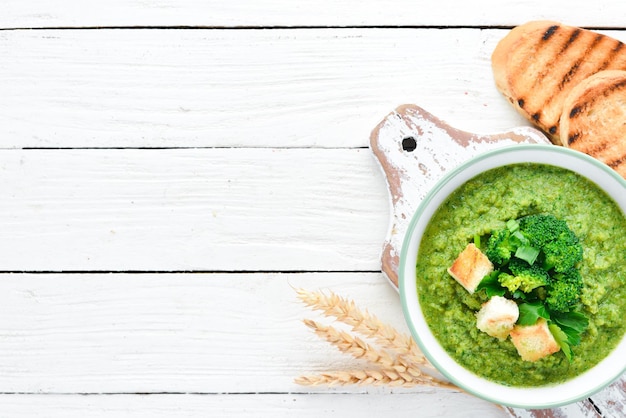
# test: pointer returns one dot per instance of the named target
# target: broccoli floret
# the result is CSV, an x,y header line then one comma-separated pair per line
x,y
563,293
560,247
499,248
509,281
542,228
524,276
564,253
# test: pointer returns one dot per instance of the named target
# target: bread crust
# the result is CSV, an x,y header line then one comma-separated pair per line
x,y
538,63
470,267
534,342
497,317
593,119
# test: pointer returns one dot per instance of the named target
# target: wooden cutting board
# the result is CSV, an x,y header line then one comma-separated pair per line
x,y
415,149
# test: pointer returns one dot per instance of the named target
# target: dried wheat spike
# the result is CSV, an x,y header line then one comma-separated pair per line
x,y
351,345
364,323
367,377
354,377
361,350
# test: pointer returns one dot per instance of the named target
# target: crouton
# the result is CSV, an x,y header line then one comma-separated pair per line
x,y
534,342
470,267
497,317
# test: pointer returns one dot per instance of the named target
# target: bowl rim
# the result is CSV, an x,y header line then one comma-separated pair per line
x,y
410,301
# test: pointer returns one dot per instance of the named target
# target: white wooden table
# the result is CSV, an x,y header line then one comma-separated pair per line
x,y
171,170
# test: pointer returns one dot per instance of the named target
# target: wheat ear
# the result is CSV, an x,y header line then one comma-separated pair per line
x,y
349,344
357,377
363,322
368,377
390,366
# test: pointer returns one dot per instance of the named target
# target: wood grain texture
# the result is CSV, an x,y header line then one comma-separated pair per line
x,y
174,333
191,209
88,344
41,13
240,88
261,405
186,333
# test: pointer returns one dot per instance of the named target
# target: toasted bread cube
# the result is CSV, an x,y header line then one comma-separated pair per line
x,y
534,342
470,267
497,317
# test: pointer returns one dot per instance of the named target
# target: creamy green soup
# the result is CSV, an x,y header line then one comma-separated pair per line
x,y
484,204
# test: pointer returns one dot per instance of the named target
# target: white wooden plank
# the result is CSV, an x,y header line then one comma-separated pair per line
x,y
42,13
200,333
424,405
228,334
612,400
280,88
191,209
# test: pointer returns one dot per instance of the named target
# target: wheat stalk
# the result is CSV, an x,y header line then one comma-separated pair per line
x,y
399,363
395,371
352,345
357,377
366,324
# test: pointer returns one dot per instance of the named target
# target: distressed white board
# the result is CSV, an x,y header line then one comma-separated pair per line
x,y
424,405
42,13
228,334
239,88
220,209
175,333
243,88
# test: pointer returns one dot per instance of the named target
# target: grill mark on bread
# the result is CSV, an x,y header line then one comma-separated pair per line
x,y
552,62
572,38
569,75
594,47
567,78
548,49
571,71
612,54
594,147
521,72
619,85
549,32
573,138
577,110
615,163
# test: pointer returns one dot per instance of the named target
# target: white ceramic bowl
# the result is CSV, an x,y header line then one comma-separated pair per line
x,y
573,390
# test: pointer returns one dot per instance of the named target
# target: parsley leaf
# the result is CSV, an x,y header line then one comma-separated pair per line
x,y
530,312
573,324
562,340
491,285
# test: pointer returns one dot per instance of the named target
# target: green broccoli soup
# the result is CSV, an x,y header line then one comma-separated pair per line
x,y
524,201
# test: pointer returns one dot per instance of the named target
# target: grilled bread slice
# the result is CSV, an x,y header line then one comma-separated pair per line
x,y
538,63
594,118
